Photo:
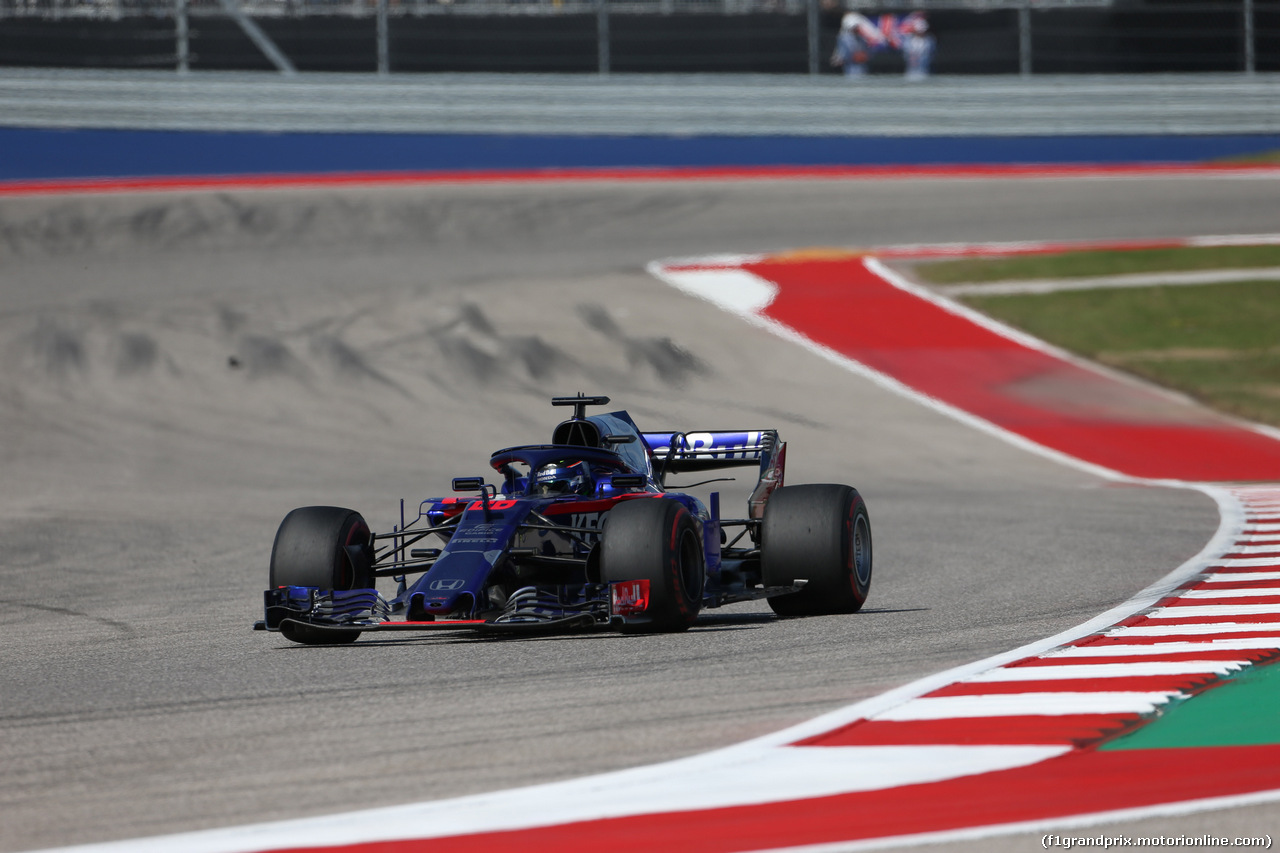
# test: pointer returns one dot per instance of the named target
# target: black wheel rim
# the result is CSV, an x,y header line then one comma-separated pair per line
x,y
690,567
860,549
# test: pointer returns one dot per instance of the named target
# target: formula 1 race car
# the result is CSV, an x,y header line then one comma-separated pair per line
x,y
581,533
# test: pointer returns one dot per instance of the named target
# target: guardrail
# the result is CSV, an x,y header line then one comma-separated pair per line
x,y
1093,111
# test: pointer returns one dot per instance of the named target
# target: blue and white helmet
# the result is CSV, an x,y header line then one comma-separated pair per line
x,y
558,479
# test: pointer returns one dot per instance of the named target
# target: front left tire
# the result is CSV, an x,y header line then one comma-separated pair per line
x,y
656,540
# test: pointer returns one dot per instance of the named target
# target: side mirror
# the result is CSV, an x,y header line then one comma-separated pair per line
x,y
468,484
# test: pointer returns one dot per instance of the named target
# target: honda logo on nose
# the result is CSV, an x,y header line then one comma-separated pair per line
x,y
448,584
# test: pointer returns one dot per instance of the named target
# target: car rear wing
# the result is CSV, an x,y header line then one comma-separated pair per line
x,y
679,452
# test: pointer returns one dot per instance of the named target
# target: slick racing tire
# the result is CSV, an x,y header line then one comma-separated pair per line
x,y
326,547
820,533
656,540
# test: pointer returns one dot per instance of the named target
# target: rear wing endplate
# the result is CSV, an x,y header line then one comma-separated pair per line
x,y
678,452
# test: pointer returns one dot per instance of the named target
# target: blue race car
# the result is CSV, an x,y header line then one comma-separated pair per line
x,y
581,533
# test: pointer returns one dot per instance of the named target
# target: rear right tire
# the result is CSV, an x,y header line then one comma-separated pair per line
x,y
820,533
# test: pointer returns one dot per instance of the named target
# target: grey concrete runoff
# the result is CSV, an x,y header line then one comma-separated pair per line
x,y
626,104
182,369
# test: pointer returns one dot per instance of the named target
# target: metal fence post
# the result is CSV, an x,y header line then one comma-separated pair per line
x,y
1250,57
260,39
384,49
814,43
602,36
181,34
1024,39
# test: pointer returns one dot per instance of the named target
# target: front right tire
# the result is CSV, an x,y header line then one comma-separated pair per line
x,y
321,546
325,547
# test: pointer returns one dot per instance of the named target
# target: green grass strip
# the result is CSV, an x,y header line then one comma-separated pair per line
x,y
1241,712
1217,343
1098,263
1261,158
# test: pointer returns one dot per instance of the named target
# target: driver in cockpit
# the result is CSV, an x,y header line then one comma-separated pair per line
x,y
559,478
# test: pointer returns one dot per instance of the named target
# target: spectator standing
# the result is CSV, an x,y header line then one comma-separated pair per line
x,y
857,39
917,45
860,38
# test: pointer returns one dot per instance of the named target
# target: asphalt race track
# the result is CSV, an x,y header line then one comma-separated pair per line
x,y
182,370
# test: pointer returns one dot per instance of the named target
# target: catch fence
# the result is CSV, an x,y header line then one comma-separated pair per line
x,y
620,36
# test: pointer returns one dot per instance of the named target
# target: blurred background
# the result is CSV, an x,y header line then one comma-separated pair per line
x,y
1026,37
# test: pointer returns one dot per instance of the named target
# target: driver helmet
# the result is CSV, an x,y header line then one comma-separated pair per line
x,y
559,479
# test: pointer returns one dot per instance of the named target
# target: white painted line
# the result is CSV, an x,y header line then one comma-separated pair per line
x,y
1234,240
1261,528
735,290
680,278
1248,562
1241,577
1152,649
1013,334
732,777
1263,539
660,271
937,250
1105,670
1054,825
1206,628
1110,282
1027,704
876,266
1231,593
1257,549
1214,611
716,261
